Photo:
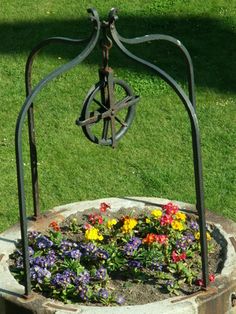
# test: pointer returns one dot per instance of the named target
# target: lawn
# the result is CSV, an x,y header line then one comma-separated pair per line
x,y
155,156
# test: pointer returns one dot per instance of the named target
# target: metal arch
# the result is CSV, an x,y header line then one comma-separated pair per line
x,y
196,146
31,128
18,140
176,42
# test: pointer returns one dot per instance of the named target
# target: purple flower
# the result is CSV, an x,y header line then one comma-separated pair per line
x,y
136,241
30,249
61,280
134,264
38,273
32,235
132,246
156,266
120,300
44,261
43,242
170,284
129,249
103,293
190,237
83,291
101,254
184,242
101,273
87,248
19,262
194,225
75,254
82,279
67,245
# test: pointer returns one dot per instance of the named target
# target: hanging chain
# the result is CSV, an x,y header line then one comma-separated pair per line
x,y
106,44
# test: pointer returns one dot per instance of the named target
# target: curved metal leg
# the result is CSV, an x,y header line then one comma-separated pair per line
x,y
18,140
190,107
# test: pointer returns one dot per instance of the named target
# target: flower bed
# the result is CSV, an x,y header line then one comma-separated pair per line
x,y
128,257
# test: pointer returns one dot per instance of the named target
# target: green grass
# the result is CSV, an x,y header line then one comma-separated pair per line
x,y
155,157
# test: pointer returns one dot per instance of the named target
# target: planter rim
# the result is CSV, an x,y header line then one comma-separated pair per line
x,y
11,291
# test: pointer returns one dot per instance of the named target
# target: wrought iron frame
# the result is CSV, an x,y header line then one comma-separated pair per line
x,y
189,103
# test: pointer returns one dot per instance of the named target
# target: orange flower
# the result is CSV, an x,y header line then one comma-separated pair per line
x,y
54,225
152,237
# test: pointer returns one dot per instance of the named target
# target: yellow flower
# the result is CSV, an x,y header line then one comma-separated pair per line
x,y
197,236
111,222
180,216
208,236
176,225
129,224
92,234
147,221
157,213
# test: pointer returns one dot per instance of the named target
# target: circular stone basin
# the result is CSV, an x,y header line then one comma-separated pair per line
x,y
219,298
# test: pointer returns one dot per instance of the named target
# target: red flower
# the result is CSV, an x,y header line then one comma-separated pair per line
x,y
166,220
104,206
54,226
212,277
178,257
95,218
161,238
152,237
170,208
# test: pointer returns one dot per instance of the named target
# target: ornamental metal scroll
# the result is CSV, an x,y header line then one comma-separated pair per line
x,y
106,114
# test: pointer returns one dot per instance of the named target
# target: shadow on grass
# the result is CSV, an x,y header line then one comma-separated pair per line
x,y
211,43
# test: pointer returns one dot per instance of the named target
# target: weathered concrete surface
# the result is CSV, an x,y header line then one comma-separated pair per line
x,y
219,299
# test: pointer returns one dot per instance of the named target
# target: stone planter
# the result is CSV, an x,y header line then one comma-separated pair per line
x,y
220,298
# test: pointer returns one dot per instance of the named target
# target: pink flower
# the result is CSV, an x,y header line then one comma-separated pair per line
x,y
170,208
87,226
178,257
104,206
95,218
166,220
199,282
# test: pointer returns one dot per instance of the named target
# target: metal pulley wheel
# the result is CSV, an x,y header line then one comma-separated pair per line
x,y
108,111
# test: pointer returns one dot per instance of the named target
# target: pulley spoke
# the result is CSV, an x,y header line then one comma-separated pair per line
x,y
100,104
